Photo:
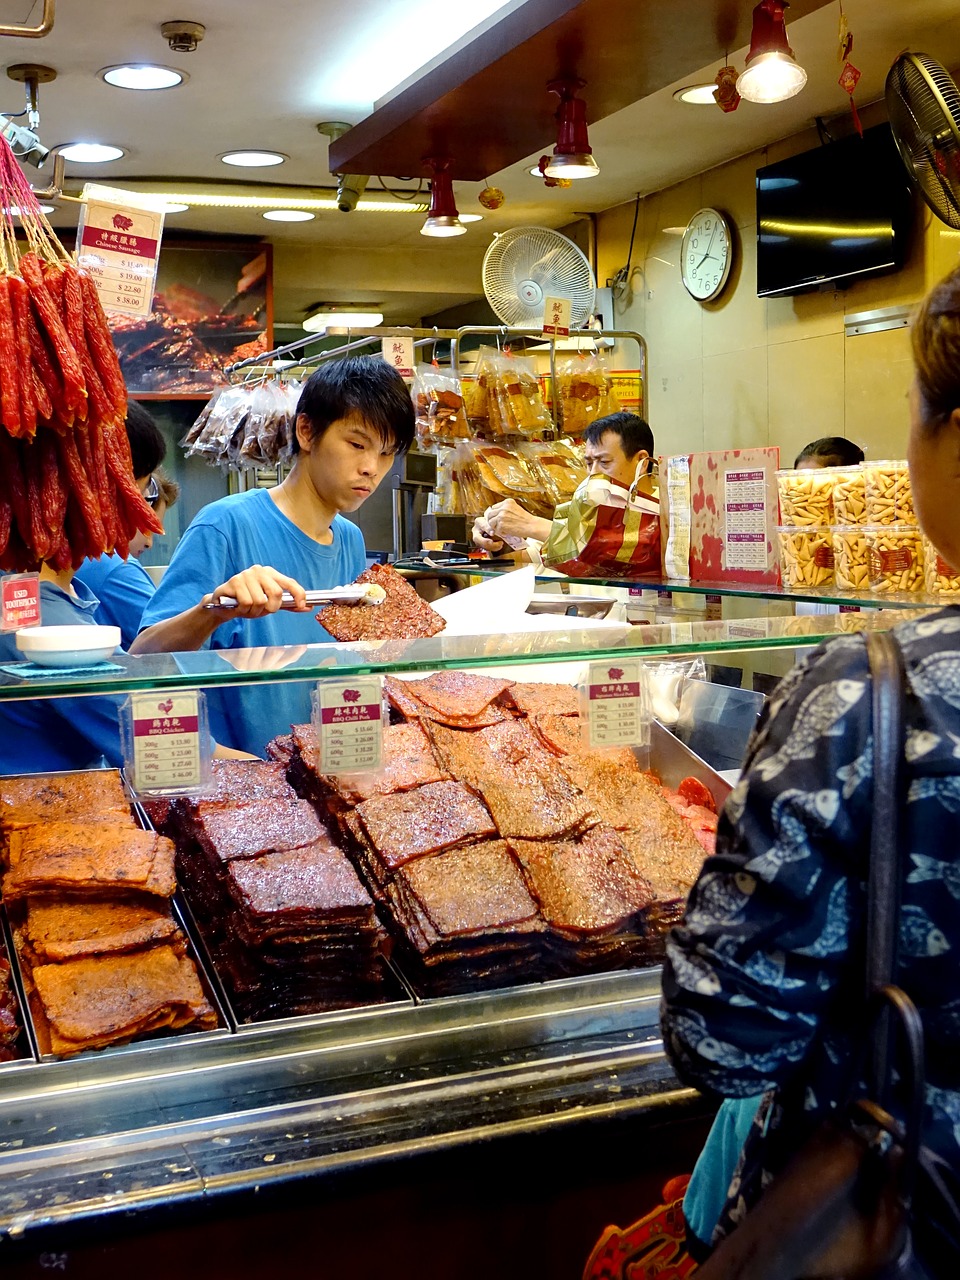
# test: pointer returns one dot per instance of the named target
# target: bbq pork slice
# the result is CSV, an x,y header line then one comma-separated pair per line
x,y
588,886
244,831
471,890
534,699
70,857
407,762
96,795
413,824
103,1000
623,796
65,928
244,781
401,616
315,884
456,698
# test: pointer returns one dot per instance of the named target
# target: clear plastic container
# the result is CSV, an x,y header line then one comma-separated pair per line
x,y
806,497
850,557
806,555
940,578
849,495
889,497
894,557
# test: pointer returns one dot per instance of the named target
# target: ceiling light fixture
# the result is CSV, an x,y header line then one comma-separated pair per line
x,y
442,216
142,75
253,159
572,156
772,74
227,200
175,208
288,215
698,95
334,319
90,152
471,217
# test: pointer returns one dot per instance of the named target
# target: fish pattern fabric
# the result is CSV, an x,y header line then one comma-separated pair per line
x,y
763,979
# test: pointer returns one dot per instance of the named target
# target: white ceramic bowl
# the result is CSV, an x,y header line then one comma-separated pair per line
x,y
76,646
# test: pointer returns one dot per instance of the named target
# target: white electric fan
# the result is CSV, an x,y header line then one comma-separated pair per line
x,y
923,104
525,266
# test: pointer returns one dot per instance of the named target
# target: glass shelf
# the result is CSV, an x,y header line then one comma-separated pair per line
x,y
313,662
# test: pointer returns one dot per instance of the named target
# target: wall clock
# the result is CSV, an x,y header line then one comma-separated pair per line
x,y
706,254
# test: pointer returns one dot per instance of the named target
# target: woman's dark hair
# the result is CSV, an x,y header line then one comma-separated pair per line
x,y
147,446
936,349
634,433
833,451
363,385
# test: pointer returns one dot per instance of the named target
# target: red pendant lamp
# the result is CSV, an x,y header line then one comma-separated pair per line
x,y
772,74
572,156
443,219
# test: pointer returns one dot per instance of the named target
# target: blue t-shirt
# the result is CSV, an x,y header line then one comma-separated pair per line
x,y
225,538
124,589
45,734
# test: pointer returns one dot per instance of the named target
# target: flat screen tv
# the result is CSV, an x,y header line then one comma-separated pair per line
x,y
833,215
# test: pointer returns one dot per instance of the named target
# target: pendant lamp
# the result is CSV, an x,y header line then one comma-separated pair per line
x,y
442,216
772,74
572,156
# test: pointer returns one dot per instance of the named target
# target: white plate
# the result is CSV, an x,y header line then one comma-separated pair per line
x,y
72,646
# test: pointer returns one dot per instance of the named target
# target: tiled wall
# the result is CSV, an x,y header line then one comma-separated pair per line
x,y
746,370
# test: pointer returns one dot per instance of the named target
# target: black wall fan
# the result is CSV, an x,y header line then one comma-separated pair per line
x,y
923,104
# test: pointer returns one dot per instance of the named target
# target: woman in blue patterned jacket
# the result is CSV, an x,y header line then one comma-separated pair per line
x,y
763,980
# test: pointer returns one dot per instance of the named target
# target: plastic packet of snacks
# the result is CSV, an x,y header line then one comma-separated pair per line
x,y
894,557
850,557
557,467
438,402
806,555
849,495
806,497
514,399
585,391
939,576
889,497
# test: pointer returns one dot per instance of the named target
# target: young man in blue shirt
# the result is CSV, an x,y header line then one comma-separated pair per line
x,y
353,417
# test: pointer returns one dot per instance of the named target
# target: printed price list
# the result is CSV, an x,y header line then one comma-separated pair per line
x,y
166,741
349,724
616,704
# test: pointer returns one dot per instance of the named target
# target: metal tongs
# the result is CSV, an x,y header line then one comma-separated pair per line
x,y
364,593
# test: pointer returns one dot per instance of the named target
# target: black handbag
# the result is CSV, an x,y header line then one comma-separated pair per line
x,y
863,1199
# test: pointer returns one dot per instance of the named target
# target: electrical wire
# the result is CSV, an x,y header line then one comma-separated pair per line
x,y
622,277
400,195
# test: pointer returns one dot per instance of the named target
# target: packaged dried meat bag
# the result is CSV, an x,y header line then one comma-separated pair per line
x,y
605,530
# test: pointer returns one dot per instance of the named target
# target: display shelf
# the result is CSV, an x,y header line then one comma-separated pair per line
x,y
208,668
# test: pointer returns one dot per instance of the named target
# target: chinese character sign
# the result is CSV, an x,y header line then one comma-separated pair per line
x,y
556,317
399,353
119,247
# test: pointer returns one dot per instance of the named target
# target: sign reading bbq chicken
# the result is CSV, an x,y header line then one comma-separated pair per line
x,y
212,306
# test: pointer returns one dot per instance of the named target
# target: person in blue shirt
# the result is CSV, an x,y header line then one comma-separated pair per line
x,y
123,586
353,417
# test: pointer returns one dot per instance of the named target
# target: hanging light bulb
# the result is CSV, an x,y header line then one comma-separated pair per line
x,y
442,216
772,73
572,156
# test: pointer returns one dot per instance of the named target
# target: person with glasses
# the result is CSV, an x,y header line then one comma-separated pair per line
x,y
122,586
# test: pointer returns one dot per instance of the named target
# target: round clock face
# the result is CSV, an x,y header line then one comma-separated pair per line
x,y
706,254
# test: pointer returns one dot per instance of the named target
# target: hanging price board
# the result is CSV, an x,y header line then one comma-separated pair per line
x,y
556,317
348,721
118,246
398,352
19,601
166,743
614,704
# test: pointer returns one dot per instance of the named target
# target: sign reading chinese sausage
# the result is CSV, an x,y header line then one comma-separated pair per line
x,y
556,317
616,704
348,720
166,743
399,353
118,246
20,601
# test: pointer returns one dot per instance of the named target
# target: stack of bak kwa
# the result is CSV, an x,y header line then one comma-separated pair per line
x,y
291,928
89,901
498,846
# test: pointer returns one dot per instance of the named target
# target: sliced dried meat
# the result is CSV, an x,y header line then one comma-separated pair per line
x,y
470,890
94,1002
426,821
667,852
623,797
65,928
244,831
244,781
96,795
456,694
407,762
402,615
316,879
88,858
533,699
587,886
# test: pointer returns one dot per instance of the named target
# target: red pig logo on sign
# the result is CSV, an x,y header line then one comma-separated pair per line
x,y
122,222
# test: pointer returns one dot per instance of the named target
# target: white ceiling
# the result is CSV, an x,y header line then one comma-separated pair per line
x,y
267,73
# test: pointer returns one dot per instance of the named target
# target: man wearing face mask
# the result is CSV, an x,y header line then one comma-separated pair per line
x,y
617,446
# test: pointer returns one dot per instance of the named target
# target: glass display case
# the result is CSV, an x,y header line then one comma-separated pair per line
x,y
170,1122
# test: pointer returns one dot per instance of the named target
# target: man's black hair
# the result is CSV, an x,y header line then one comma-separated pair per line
x,y
835,451
365,386
147,445
634,433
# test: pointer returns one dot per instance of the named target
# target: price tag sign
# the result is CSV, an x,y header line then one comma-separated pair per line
x,y
166,743
348,720
399,353
615,698
118,246
19,601
556,317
